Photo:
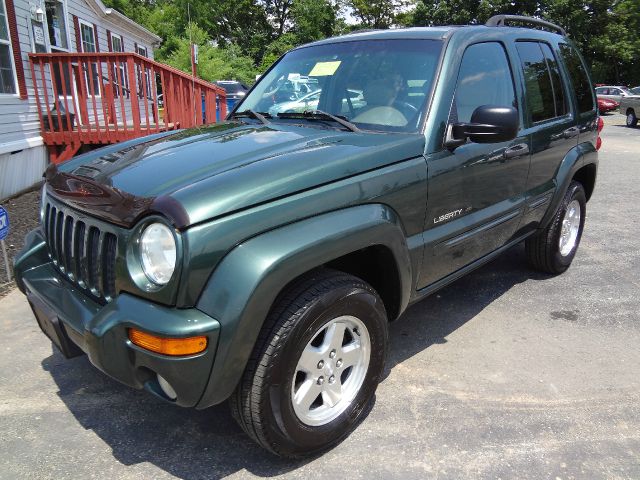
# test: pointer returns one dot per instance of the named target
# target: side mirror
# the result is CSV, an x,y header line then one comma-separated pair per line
x,y
489,124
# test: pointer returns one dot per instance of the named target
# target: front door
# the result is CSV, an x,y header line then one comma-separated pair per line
x,y
476,191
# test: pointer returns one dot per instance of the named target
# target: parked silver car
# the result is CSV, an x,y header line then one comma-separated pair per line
x,y
310,102
630,107
613,92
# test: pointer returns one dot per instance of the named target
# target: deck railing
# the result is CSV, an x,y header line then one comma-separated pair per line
x,y
103,98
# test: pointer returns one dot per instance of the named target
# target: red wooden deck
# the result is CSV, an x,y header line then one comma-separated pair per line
x,y
103,98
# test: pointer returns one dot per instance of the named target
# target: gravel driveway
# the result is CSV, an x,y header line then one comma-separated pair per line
x,y
23,217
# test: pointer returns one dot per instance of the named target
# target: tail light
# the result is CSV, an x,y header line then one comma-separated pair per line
x,y
600,127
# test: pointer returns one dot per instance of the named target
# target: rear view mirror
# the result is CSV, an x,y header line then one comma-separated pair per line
x,y
489,124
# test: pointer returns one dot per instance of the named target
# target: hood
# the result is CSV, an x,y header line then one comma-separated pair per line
x,y
199,174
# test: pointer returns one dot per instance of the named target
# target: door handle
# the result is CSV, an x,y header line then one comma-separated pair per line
x,y
571,132
516,151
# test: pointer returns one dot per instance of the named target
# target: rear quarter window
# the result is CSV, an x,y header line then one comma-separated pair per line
x,y
579,78
556,80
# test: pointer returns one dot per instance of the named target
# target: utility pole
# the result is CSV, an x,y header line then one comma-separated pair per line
x,y
194,60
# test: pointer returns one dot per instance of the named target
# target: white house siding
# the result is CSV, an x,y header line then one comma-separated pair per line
x,y
23,157
84,11
19,118
21,170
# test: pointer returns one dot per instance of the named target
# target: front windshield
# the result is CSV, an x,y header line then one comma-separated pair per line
x,y
375,84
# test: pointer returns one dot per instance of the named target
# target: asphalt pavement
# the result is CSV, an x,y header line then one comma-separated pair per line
x,y
506,373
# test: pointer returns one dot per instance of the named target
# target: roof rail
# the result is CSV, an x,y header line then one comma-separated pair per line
x,y
499,21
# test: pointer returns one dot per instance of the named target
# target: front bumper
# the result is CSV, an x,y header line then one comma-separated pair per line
x,y
71,318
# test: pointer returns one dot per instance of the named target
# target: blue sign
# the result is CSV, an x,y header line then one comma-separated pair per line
x,y
4,223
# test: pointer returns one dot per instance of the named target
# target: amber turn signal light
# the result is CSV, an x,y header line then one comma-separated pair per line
x,y
168,346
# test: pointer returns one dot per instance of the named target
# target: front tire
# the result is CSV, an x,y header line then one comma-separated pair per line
x,y
632,120
315,367
552,250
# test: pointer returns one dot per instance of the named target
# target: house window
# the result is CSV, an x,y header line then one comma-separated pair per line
x,y
88,37
52,36
144,81
57,23
117,45
62,78
120,80
7,70
88,40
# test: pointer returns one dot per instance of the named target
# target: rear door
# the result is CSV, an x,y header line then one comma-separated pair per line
x,y
615,94
476,191
551,123
583,97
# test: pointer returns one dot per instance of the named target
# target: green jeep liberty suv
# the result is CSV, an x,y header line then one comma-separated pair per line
x,y
261,260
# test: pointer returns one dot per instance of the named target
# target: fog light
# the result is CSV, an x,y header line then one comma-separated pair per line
x,y
167,388
168,346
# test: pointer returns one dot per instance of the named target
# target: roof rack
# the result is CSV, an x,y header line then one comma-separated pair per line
x,y
499,21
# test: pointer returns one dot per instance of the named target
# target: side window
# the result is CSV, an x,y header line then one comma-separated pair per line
x,y
615,91
579,78
484,79
88,37
556,80
7,70
57,24
539,89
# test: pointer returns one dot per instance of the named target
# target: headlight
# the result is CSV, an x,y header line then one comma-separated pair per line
x,y
158,253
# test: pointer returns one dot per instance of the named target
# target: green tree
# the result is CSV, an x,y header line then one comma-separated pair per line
x,y
309,20
226,22
279,14
313,19
465,12
214,63
377,13
277,48
606,31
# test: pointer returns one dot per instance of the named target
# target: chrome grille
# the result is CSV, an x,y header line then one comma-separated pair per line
x,y
82,252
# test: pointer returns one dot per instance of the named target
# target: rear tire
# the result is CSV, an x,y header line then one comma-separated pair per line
x,y
552,250
632,120
281,401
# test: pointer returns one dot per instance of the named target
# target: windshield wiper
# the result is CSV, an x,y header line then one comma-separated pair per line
x,y
262,116
320,115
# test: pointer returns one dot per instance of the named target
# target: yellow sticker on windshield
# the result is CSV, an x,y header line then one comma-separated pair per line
x,y
324,69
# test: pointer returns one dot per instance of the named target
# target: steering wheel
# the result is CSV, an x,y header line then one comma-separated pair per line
x,y
405,107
